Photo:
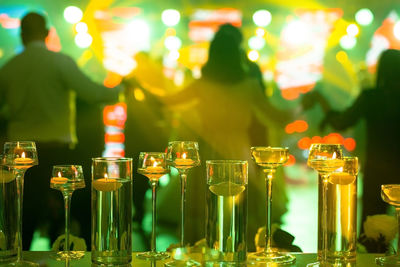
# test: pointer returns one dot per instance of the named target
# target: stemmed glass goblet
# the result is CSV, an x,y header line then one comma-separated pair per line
x,y
391,194
67,178
153,165
20,156
183,155
269,159
324,158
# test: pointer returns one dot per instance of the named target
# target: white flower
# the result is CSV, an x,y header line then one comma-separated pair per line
x,y
380,224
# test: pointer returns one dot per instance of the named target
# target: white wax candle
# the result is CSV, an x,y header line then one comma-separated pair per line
x,y
106,184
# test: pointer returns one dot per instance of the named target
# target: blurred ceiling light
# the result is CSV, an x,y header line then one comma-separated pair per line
x,y
364,16
253,55
352,30
296,32
172,43
348,42
138,28
83,40
81,27
73,14
256,42
170,17
396,30
262,18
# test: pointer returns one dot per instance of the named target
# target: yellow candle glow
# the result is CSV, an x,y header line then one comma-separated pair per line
x,y
183,161
155,168
106,184
23,160
59,179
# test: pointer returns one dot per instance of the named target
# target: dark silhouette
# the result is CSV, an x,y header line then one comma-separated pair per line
x,y
37,91
379,107
226,98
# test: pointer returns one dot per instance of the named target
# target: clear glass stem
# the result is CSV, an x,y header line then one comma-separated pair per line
x,y
67,203
153,229
398,221
20,191
324,231
183,175
269,175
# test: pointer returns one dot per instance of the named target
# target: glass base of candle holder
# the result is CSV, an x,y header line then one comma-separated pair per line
x,y
182,263
71,255
150,255
182,257
393,260
271,257
22,263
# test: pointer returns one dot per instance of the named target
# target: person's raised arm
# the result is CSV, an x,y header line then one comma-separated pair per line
x,y
84,87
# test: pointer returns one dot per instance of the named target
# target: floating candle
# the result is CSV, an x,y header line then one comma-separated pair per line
x,y
23,160
59,179
106,184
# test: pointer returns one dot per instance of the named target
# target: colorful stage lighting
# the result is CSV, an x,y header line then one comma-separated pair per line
x,y
364,16
297,32
73,14
396,30
348,42
256,42
170,17
262,18
83,40
253,55
352,30
172,43
81,27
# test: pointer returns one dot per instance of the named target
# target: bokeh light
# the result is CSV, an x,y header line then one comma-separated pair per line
x,y
253,55
83,40
396,30
260,32
138,28
262,18
364,16
73,14
348,42
170,17
256,42
352,30
341,56
81,27
172,43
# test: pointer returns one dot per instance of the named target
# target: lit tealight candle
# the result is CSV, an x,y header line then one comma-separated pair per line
x,y
59,179
106,184
6,176
155,168
23,160
183,161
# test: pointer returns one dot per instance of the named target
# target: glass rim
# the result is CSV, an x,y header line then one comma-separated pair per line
x,y
230,161
19,142
111,159
325,144
152,152
188,142
390,185
66,165
269,148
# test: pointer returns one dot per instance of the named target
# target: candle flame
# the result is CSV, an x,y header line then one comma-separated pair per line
x,y
105,175
59,174
23,155
184,155
334,155
155,164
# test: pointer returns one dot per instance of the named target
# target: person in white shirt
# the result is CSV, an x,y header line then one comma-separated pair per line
x,y
38,88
